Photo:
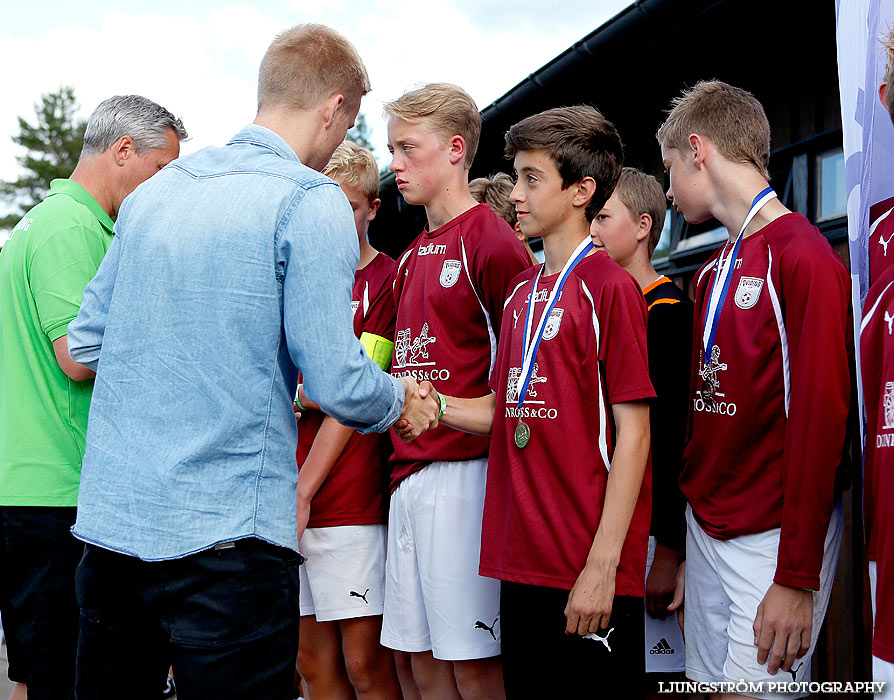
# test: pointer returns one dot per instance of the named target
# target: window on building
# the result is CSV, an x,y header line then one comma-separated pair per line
x,y
831,197
662,250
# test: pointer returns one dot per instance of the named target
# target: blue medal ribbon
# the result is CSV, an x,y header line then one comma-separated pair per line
x,y
723,274
530,349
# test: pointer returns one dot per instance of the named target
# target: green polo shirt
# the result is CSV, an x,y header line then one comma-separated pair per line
x,y
51,255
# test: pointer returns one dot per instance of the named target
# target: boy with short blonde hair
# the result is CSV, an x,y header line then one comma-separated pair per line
x,y
628,228
449,290
341,489
770,398
445,109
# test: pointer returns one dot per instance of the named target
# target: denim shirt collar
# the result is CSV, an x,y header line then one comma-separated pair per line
x,y
258,135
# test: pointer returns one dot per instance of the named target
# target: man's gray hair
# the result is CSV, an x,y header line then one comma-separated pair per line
x,y
142,119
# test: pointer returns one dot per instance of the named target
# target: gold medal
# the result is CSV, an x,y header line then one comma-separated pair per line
x,y
522,434
707,392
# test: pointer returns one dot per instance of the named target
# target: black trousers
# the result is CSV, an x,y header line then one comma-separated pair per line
x,y
539,657
38,557
226,619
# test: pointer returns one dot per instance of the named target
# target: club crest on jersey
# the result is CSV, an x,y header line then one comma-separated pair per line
x,y
450,273
748,291
551,327
354,306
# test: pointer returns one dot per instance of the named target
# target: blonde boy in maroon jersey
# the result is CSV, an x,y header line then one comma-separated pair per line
x,y
449,291
770,401
566,519
342,509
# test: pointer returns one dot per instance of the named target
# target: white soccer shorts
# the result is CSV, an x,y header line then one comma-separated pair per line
x,y
434,598
665,652
883,671
344,575
726,580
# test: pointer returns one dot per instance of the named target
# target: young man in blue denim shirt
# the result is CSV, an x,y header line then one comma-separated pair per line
x,y
228,275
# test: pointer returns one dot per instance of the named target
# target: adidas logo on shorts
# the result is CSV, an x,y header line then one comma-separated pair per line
x,y
662,648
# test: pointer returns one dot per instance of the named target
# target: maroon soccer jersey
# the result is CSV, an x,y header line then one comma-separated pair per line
x,y
765,453
881,237
355,491
877,366
449,289
544,501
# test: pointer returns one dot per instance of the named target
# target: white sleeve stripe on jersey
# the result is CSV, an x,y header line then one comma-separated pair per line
x,y
869,314
400,265
783,337
603,418
705,272
879,220
490,329
365,300
512,293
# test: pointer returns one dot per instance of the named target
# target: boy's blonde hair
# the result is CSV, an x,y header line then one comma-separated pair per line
x,y
354,165
494,191
730,117
641,194
447,109
306,64
889,71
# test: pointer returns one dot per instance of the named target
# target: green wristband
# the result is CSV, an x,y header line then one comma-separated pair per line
x,y
443,404
297,402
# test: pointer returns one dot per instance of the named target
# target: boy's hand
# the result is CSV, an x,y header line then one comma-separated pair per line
x,y
661,583
420,412
782,627
590,601
679,592
297,411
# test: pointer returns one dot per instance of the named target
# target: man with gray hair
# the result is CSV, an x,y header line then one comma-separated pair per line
x,y
53,252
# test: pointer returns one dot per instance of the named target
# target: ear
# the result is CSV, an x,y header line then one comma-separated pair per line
x,y
457,146
331,105
586,188
644,227
883,94
697,150
123,149
373,208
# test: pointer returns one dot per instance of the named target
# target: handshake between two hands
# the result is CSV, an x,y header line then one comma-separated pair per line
x,y
420,411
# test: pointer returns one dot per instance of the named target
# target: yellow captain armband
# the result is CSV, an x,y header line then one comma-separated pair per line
x,y
378,348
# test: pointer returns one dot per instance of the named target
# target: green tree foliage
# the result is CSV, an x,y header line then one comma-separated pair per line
x,y
52,143
360,133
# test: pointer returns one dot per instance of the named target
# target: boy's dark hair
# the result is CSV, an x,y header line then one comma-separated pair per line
x,y
582,143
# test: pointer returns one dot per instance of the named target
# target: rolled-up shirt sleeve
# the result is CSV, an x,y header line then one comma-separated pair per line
x,y
85,332
318,254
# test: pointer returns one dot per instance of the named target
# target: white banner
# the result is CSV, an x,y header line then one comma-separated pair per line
x,y
868,135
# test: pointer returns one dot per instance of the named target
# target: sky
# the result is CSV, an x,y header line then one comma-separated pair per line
x,y
199,59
